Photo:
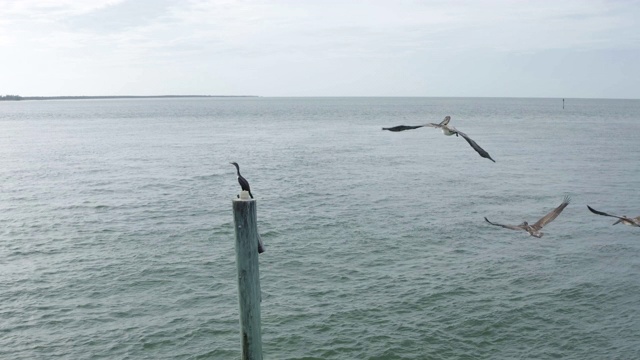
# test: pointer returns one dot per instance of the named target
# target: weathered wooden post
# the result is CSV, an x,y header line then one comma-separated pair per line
x,y
244,218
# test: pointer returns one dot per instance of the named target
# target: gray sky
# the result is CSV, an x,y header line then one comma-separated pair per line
x,y
321,48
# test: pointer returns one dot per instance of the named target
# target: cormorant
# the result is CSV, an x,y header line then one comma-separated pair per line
x,y
244,184
534,230
621,219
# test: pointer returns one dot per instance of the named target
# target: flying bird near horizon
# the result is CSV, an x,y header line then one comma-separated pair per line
x,y
244,184
621,219
534,230
448,131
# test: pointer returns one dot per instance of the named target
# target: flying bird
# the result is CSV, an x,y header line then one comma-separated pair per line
x,y
621,219
244,184
450,130
534,230
447,130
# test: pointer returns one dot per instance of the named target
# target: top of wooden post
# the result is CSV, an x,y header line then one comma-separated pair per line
x,y
244,196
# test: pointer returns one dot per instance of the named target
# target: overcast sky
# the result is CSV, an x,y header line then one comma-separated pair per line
x,y
490,48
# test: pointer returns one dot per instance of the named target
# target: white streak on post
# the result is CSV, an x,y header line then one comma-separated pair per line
x,y
249,296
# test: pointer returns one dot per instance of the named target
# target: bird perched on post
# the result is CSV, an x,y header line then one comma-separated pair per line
x,y
244,184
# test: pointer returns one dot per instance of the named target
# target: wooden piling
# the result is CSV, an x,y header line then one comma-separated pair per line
x,y
249,296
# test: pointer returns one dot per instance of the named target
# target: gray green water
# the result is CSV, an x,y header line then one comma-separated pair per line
x,y
116,234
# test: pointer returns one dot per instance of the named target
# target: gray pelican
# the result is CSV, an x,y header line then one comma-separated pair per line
x,y
450,130
244,184
447,130
534,230
621,219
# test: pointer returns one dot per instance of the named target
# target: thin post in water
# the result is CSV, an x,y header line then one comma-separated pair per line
x,y
249,296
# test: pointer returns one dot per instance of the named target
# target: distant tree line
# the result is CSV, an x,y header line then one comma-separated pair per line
x,y
18,97
10,97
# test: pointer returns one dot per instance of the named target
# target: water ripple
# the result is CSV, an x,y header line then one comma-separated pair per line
x,y
116,232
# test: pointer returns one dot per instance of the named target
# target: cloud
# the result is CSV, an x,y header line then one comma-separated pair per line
x,y
51,10
352,39
331,28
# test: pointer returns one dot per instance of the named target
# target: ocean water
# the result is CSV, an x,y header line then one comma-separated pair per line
x,y
117,240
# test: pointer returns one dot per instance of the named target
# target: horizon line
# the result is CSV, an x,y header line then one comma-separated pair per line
x,y
80,97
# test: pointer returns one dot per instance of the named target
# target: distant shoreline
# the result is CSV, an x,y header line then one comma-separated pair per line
x,y
18,98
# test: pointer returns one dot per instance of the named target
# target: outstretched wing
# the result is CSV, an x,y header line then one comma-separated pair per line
x,y
403,127
552,215
475,146
512,227
442,123
603,213
633,221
